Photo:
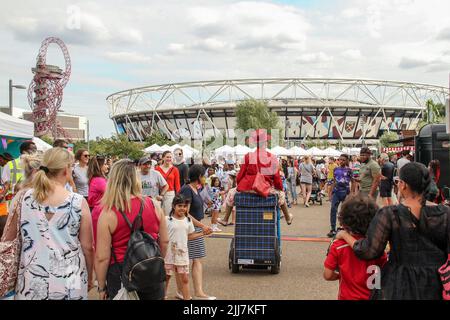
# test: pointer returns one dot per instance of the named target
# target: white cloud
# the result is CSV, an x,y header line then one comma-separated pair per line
x,y
127,57
319,57
352,54
411,63
350,13
125,44
252,25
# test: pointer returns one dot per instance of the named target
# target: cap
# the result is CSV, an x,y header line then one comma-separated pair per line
x,y
144,160
229,161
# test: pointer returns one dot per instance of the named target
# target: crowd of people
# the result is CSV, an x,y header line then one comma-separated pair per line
x,y
73,214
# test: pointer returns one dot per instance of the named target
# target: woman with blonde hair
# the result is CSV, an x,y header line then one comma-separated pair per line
x,y
30,164
56,257
121,202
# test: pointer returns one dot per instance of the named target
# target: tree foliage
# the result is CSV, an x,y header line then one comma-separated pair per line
x,y
435,113
119,146
387,137
47,139
159,138
253,114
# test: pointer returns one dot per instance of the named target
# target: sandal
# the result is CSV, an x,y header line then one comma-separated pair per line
x,y
231,224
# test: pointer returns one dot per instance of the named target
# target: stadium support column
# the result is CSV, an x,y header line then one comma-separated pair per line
x,y
314,124
336,124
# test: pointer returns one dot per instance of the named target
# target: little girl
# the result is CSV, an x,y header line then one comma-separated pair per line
x,y
180,229
216,194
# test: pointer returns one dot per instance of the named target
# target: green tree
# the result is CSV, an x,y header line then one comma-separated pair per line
x,y
434,113
47,139
122,147
159,138
253,114
387,137
119,146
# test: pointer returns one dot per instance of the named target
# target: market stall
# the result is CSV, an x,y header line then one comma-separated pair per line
x,y
13,132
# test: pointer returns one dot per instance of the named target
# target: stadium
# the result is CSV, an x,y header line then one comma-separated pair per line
x,y
350,111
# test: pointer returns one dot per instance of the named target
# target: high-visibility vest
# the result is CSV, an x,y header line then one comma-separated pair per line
x,y
16,172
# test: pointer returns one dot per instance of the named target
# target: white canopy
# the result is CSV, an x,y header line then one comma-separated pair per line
x,y
241,150
188,151
166,148
314,151
15,127
41,145
153,148
224,150
280,151
331,152
351,151
297,151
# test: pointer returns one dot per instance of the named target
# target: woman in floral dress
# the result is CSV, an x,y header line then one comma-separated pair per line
x,y
56,261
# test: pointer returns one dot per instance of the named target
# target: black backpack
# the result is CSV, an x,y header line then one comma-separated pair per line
x,y
143,266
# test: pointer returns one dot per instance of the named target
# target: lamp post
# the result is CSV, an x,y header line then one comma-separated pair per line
x,y
11,86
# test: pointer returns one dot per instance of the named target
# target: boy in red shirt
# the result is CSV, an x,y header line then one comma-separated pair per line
x,y
341,263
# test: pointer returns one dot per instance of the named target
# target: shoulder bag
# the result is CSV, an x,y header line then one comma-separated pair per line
x,y
10,251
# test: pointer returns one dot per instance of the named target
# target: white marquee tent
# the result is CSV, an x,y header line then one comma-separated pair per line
x,y
224,150
241,150
331,152
280,151
41,145
153,148
15,127
297,151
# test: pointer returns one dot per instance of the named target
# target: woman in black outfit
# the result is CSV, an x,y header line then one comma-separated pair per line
x,y
418,235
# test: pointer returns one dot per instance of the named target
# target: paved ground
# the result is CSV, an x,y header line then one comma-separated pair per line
x,y
300,277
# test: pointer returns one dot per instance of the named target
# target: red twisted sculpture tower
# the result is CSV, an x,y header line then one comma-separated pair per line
x,y
45,92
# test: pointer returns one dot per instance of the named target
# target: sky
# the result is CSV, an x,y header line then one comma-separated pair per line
x,y
120,44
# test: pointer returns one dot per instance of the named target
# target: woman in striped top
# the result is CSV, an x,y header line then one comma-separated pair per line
x,y
171,174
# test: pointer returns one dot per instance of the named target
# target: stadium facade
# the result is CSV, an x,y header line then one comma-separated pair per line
x,y
345,110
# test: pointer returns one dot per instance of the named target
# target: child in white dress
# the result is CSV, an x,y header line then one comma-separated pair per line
x,y
181,229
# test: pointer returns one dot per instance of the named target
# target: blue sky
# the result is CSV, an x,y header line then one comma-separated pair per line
x,y
124,44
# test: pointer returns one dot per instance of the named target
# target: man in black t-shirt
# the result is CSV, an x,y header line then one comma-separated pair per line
x,y
387,179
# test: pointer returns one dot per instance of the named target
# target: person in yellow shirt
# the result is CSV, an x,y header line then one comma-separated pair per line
x,y
330,176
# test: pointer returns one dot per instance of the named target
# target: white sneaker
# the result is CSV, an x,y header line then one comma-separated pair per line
x,y
216,229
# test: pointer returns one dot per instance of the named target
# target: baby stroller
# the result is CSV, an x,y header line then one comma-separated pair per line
x,y
316,195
